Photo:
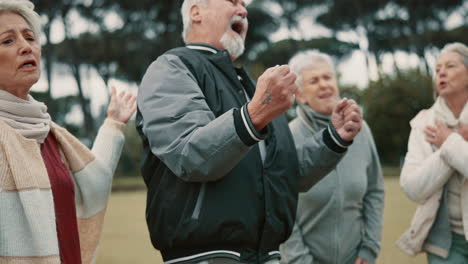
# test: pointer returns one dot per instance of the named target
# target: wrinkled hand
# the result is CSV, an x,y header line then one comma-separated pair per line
x,y
347,119
360,260
463,131
121,106
438,134
275,93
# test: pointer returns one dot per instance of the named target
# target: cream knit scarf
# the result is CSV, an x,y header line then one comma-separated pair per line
x,y
445,115
28,117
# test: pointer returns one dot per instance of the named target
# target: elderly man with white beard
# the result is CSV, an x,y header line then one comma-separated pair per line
x,y
221,167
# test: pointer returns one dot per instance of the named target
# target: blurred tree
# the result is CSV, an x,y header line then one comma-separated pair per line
x,y
261,25
50,11
382,26
131,154
352,92
122,37
72,52
138,33
389,104
102,52
280,52
392,25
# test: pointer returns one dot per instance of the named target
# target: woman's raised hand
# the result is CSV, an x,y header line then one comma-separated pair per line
x,y
121,106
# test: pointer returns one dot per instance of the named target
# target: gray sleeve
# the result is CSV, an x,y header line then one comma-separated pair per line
x,y
181,129
373,204
294,251
316,158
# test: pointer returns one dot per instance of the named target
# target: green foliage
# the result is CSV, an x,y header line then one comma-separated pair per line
x,y
351,92
389,104
393,25
259,32
131,154
280,52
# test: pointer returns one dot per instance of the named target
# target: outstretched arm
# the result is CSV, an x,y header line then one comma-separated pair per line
x,y
184,133
319,153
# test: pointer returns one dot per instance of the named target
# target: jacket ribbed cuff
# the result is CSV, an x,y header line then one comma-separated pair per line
x,y
367,254
333,140
245,128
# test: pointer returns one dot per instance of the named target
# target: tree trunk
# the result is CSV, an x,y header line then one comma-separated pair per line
x,y
48,67
88,126
89,130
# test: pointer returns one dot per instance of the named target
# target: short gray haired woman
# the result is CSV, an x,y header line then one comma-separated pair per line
x,y
435,172
53,189
339,220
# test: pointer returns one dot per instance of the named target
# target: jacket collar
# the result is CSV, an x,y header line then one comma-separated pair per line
x,y
202,47
222,60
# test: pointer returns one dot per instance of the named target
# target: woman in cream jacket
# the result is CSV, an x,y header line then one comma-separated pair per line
x,y
436,170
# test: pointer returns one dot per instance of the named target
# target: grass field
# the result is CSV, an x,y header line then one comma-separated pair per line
x,y
125,238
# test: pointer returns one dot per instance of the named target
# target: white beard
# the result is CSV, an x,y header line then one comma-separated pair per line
x,y
234,44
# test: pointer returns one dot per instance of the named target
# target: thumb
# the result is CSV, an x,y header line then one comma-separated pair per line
x,y
341,105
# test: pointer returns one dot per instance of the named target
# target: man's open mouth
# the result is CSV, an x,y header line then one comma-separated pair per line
x,y
237,27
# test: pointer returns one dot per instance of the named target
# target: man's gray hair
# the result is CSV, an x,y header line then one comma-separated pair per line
x,y
25,9
460,49
307,59
186,19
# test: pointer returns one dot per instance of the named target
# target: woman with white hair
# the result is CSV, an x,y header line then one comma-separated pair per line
x,y
53,189
339,220
435,171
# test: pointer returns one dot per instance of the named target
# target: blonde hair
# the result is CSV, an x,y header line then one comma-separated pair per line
x,y
25,9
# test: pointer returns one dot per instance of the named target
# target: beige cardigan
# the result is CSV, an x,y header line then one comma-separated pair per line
x,y
27,217
423,176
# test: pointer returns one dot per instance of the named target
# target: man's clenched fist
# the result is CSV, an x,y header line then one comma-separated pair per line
x,y
347,119
275,92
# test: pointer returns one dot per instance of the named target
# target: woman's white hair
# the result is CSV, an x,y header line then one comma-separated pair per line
x,y
186,19
25,9
307,59
459,48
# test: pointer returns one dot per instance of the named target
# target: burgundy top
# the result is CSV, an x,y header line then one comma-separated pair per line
x,y
63,192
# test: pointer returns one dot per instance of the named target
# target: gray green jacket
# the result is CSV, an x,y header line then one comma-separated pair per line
x,y
341,216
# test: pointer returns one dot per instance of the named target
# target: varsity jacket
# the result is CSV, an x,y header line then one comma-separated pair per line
x,y
27,219
210,194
